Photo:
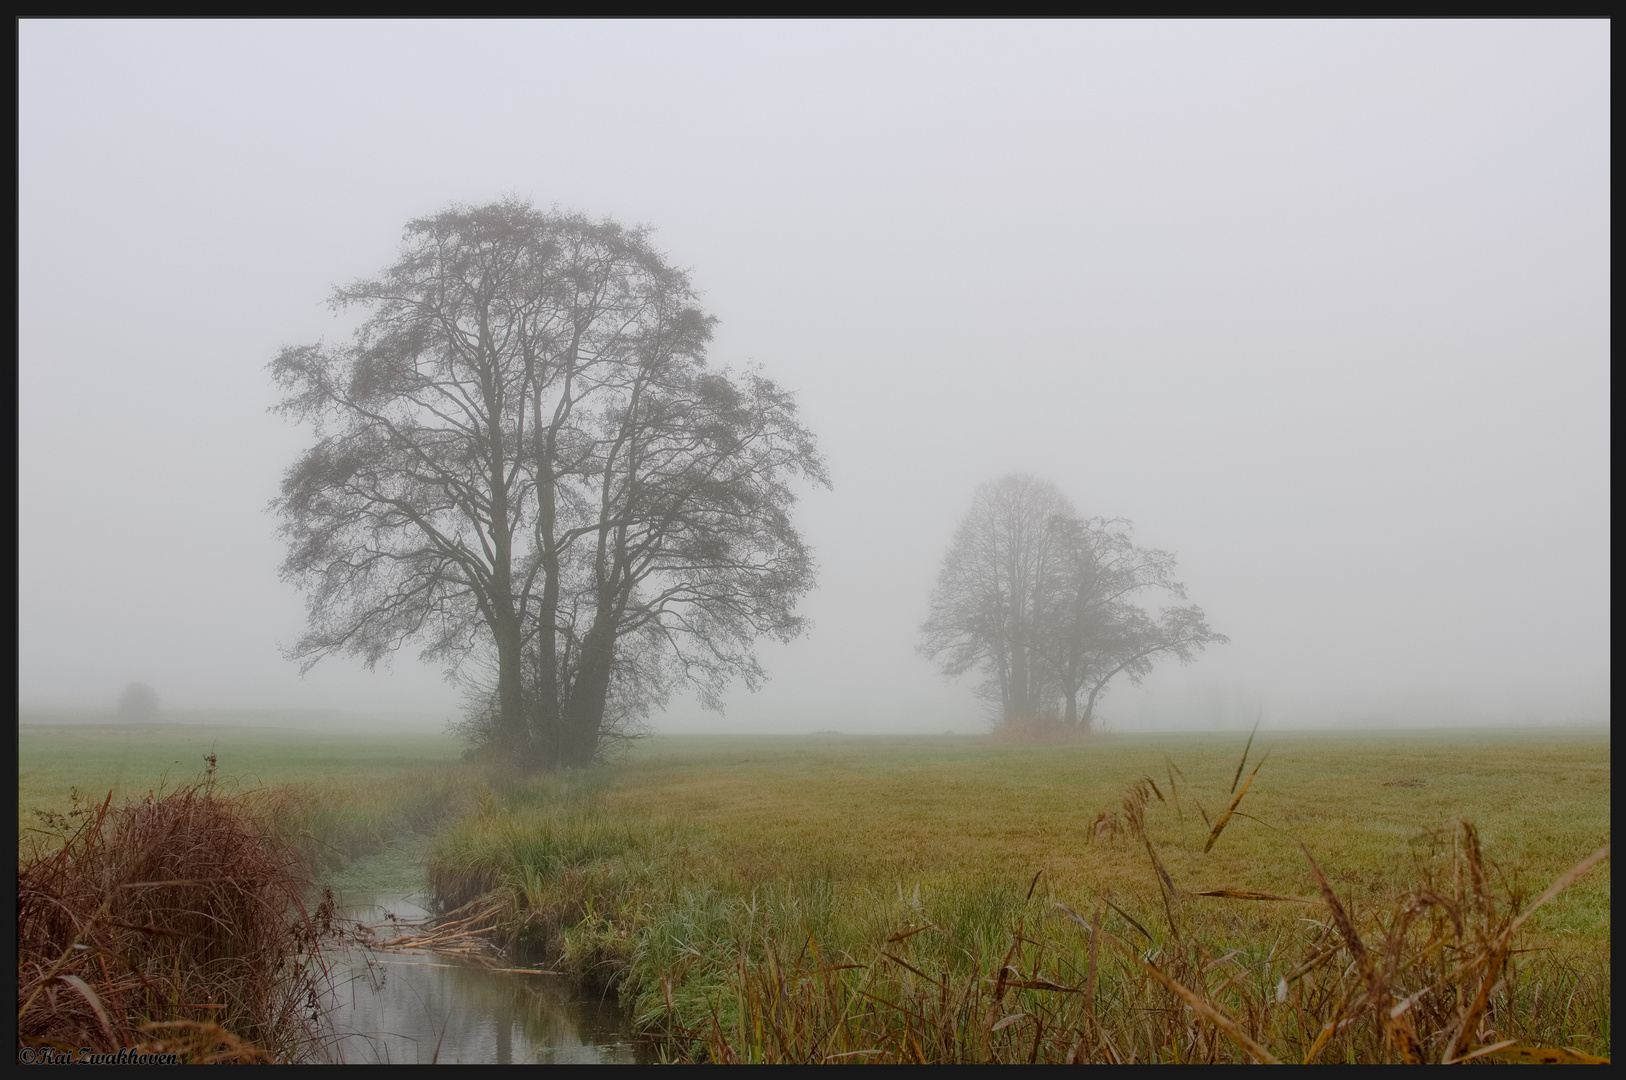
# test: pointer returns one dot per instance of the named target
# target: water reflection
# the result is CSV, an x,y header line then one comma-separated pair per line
x,y
418,1008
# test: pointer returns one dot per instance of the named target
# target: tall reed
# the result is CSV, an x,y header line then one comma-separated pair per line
x,y
175,923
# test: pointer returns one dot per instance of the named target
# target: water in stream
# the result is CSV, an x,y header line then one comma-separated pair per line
x,y
418,1008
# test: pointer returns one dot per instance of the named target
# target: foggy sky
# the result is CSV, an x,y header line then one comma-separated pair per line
x,y
1321,307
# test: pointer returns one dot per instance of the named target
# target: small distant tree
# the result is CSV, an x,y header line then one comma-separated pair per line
x,y
138,702
1047,605
994,585
1092,628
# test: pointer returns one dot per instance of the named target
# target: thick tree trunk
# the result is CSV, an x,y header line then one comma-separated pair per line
x,y
583,714
1072,709
545,719
1019,706
1087,721
506,626
511,723
1022,704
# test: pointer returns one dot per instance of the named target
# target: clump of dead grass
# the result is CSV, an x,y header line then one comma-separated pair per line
x,y
174,923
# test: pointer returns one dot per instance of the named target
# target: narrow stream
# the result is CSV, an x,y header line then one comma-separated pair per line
x,y
417,1007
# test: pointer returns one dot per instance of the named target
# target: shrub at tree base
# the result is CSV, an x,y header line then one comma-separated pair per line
x,y
1048,728
172,924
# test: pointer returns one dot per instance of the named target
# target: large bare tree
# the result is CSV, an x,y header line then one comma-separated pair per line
x,y
521,457
404,519
689,553
1046,604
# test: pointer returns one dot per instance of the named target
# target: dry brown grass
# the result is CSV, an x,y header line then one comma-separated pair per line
x,y
1435,986
171,924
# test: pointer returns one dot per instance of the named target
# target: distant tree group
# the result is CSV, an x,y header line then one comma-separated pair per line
x,y
1046,605
138,702
523,460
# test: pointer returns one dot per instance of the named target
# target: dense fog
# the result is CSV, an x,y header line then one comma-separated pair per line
x,y
1322,308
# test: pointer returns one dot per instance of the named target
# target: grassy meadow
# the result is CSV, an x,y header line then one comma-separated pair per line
x,y
935,811
885,898
340,794
718,879
131,759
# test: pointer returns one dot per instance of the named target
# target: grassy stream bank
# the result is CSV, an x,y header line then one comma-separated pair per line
x,y
900,900
831,898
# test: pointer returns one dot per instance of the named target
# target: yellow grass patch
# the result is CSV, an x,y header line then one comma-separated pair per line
x,y
718,878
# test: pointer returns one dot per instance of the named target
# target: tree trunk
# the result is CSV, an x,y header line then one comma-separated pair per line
x,y
507,625
545,719
583,714
1020,705
510,687
1072,709
1087,721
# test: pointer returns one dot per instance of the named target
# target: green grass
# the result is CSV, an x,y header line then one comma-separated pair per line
x,y
699,865
341,795
133,759
881,810
715,880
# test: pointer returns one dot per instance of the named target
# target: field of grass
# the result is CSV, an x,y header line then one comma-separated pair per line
x,y
933,898
132,759
868,811
344,793
700,865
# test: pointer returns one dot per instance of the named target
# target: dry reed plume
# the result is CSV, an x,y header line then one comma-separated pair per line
x,y
171,924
